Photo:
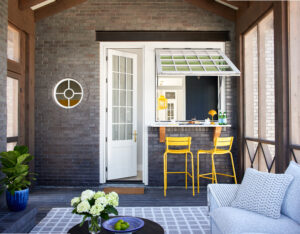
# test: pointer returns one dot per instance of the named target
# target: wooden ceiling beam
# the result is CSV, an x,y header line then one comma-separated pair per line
x,y
54,8
214,7
26,4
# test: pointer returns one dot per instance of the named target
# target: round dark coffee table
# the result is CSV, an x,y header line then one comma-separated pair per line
x,y
150,227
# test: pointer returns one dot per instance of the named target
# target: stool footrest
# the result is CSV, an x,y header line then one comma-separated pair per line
x,y
175,172
179,172
224,174
205,177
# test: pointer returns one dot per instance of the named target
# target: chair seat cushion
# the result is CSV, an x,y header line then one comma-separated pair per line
x,y
291,202
262,192
233,220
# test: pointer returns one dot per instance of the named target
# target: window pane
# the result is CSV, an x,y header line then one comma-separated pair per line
x,y
13,44
266,80
12,107
294,61
260,90
251,83
10,146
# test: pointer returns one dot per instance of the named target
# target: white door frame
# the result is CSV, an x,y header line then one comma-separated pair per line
x,y
104,46
149,96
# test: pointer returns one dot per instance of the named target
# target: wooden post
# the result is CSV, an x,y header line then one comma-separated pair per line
x,y
241,129
281,86
162,134
217,133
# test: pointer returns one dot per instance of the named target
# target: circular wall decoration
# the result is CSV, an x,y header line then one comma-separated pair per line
x,y
68,93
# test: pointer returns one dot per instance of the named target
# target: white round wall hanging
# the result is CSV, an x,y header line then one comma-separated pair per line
x,y
68,93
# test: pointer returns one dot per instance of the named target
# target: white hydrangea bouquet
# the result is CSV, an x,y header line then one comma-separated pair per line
x,y
95,205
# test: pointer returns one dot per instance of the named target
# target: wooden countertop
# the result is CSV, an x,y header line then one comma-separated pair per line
x,y
169,125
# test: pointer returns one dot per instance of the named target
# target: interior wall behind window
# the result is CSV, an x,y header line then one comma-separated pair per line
x,y
13,44
294,62
12,95
260,94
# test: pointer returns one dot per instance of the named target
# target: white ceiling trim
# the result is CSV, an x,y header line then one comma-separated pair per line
x,y
42,4
227,4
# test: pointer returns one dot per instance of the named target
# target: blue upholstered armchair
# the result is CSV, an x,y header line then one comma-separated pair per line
x,y
226,219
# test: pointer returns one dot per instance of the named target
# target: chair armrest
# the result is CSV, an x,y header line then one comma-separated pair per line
x,y
220,195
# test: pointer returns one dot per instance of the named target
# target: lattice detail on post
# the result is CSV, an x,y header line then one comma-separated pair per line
x,y
264,146
293,148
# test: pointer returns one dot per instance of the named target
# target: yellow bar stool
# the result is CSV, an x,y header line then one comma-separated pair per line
x,y
185,148
222,146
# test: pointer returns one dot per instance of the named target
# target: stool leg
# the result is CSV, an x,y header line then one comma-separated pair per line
x,y
165,175
212,170
198,173
166,172
186,171
192,161
233,169
214,175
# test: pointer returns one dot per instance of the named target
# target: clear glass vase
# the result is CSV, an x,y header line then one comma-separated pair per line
x,y
94,224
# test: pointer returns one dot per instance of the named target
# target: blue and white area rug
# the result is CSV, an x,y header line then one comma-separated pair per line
x,y
174,220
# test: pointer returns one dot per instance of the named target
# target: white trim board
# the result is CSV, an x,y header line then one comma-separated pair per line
x,y
149,78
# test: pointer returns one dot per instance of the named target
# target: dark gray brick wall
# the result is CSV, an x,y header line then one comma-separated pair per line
x,y
67,141
3,72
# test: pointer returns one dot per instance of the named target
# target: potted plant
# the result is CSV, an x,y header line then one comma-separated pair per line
x,y
16,182
94,206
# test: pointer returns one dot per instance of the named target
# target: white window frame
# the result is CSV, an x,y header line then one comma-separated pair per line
x,y
64,93
197,53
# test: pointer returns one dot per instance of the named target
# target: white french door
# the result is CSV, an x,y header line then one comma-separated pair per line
x,y
122,115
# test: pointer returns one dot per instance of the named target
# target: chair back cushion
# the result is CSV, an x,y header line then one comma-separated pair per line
x,y
262,192
291,201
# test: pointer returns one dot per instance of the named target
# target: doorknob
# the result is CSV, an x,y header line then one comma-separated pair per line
x,y
134,134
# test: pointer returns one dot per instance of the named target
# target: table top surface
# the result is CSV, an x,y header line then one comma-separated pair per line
x,y
150,227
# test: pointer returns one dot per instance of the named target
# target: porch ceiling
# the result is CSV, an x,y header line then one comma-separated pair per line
x,y
224,8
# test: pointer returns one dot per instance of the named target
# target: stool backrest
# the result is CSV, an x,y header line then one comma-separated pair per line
x,y
179,141
224,142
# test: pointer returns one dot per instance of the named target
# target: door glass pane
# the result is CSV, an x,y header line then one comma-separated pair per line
x,y
122,132
122,114
115,97
115,62
129,132
129,115
129,82
122,98
115,82
13,44
115,114
122,81
12,95
115,132
129,98
129,65
122,64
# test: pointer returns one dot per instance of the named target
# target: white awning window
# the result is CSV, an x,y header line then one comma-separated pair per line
x,y
196,62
